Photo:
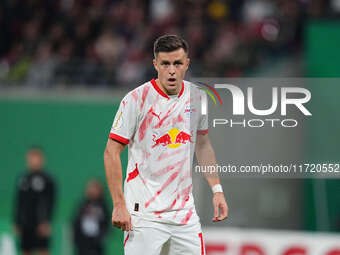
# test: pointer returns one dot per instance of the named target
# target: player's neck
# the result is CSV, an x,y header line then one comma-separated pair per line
x,y
160,85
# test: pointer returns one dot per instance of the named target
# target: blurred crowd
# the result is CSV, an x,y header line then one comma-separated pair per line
x,y
49,43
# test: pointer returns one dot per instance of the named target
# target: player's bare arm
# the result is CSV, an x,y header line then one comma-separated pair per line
x,y
206,157
113,168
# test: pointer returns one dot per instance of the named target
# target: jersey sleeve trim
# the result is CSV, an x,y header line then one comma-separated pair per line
x,y
119,138
203,132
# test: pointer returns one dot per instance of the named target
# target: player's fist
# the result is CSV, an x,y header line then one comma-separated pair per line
x,y
220,207
121,218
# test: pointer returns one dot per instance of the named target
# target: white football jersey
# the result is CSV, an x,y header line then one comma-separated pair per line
x,y
160,131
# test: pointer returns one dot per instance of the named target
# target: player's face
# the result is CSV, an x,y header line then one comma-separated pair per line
x,y
35,160
171,68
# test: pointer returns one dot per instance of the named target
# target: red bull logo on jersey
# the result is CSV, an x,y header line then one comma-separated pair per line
x,y
173,139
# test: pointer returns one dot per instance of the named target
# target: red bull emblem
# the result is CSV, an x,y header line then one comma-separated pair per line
x,y
173,139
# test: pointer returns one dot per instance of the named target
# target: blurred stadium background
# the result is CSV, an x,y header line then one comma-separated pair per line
x,y
65,65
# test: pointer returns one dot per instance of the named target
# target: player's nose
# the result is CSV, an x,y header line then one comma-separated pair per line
x,y
172,70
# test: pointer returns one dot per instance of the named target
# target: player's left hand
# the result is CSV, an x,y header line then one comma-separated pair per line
x,y
220,207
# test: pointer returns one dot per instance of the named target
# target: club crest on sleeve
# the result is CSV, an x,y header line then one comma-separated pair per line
x,y
118,121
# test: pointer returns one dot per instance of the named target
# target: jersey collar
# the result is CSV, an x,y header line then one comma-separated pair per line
x,y
154,84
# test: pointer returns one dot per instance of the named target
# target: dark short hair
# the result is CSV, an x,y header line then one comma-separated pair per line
x,y
36,149
168,43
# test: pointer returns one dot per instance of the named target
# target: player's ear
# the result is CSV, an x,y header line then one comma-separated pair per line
x,y
155,64
187,63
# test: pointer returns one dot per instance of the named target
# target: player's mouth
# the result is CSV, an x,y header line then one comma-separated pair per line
x,y
172,81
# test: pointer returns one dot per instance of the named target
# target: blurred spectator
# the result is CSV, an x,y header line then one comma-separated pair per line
x,y
42,68
34,205
91,221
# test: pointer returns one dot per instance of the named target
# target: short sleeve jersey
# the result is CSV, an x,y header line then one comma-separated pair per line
x,y
160,131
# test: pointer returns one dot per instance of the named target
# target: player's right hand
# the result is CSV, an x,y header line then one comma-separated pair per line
x,y
121,218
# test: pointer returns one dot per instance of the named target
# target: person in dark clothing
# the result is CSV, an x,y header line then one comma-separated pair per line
x,y
35,196
91,221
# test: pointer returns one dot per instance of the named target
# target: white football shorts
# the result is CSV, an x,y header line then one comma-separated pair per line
x,y
158,238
